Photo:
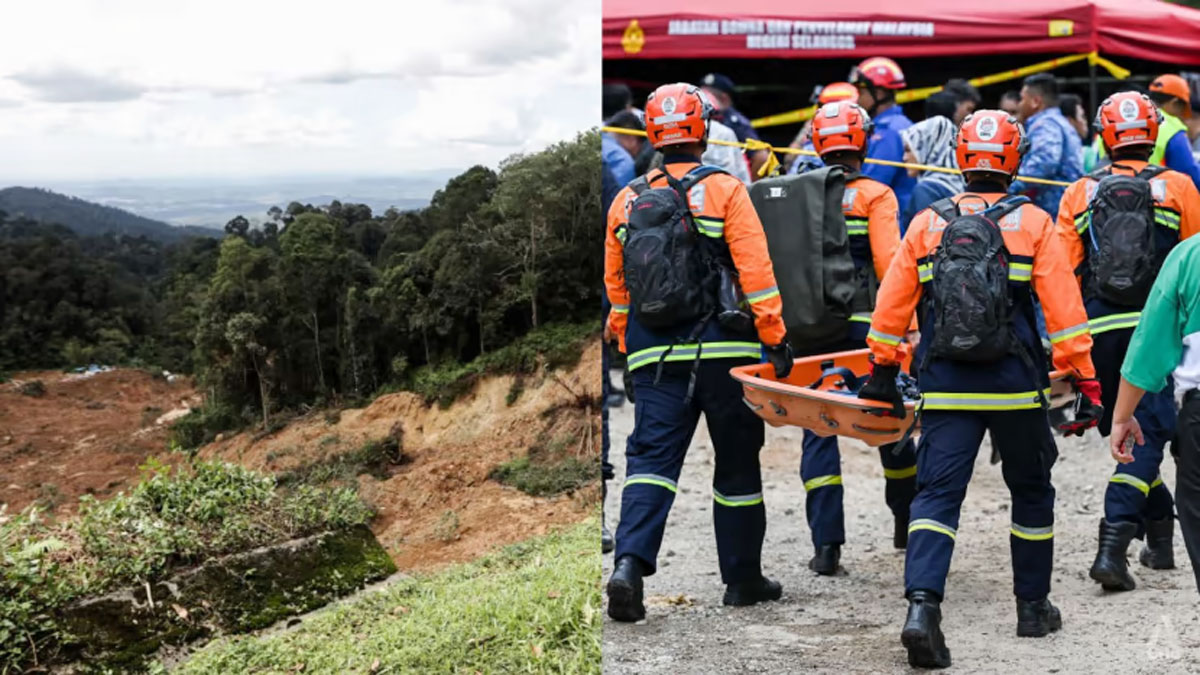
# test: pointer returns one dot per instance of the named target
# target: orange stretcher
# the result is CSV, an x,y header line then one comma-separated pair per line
x,y
829,409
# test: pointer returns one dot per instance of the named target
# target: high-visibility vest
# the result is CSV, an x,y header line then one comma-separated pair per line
x,y
1170,126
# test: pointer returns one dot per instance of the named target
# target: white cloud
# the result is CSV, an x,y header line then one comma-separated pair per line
x,y
138,88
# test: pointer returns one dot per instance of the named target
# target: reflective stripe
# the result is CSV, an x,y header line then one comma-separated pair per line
x,y
1156,483
1167,219
1024,400
1131,480
1132,124
985,147
1068,333
898,474
883,337
822,481
709,350
1114,322
620,309
924,272
933,526
1020,271
621,233
667,119
839,129
650,479
765,294
1082,221
861,317
1032,533
710,227
856,226
738,500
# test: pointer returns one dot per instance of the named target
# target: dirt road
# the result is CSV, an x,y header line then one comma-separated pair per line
x,y
851,623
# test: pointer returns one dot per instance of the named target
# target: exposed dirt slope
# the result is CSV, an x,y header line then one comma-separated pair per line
x,y
851,623
85,435
438,506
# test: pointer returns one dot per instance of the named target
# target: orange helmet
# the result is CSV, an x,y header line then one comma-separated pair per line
x,y
841,125
990,140
677,114
838,91
1128,118
1176,86
879,71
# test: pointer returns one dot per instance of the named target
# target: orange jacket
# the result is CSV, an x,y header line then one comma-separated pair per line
x,y
721,207
871,209
1173,192
1037,257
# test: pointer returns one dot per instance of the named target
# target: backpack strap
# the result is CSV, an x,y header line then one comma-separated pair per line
x,y
1004,206
639,184
1151,171
691,178
946,209
1100,173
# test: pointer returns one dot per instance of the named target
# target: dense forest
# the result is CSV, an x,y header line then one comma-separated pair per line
x,y
90,219
320,301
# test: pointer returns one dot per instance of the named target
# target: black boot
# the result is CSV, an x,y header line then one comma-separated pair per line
x,y
825,560
900,533
625,590
752,592
1037,618
1159,552
1111,569
922,634
606,539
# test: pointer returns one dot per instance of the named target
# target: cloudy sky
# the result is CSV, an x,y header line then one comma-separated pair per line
x,y
256,88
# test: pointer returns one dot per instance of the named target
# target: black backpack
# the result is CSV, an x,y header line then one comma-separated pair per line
x,y
669,270
971,300
1122,260
810,250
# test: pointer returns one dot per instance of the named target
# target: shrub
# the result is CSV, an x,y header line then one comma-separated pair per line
x,y
202,425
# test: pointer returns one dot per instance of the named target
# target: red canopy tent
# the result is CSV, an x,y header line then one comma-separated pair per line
x,y
680,29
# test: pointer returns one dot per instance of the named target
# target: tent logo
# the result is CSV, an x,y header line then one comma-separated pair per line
x,y
634,38
1129,110
986,128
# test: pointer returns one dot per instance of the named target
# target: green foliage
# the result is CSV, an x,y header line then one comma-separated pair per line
x,y
543,479
169,520
202,425
89,219
555,345
373,457
534,607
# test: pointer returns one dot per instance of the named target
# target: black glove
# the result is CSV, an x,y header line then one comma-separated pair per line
x,y
627,381
882,387
781,356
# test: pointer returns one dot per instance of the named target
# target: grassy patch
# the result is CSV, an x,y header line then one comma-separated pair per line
x,y
373,457
557,345
534,607
549,478
169,520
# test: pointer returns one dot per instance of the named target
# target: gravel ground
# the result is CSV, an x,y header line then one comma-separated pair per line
x,y
851,622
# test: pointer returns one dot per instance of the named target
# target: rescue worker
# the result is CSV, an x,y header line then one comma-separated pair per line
x,y
878,79
963,400
720,87
1167,345
1055,149
1136,502
840,132
682,371
1172,149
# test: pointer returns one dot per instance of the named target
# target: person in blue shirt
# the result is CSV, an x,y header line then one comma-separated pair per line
x,y
1172,95
720,89
617,151
1055,150
877,79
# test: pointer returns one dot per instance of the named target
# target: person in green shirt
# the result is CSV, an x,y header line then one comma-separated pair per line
x,y
1166,345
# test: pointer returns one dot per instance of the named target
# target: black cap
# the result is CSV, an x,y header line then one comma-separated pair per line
x,y
719,82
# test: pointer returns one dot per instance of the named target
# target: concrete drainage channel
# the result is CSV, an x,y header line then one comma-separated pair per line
x,y
232,594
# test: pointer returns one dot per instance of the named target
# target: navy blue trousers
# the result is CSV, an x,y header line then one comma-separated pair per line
x,y
821,469
1135,491
663,429
945,459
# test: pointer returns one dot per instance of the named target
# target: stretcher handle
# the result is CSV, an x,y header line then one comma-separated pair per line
x,y
876,432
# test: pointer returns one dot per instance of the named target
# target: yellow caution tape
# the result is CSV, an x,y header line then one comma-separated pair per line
x,y
910,95
773,163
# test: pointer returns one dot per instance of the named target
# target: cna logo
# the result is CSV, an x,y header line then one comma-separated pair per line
x,y
986,128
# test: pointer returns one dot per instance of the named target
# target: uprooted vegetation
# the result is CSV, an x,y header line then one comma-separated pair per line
x,y
169,521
